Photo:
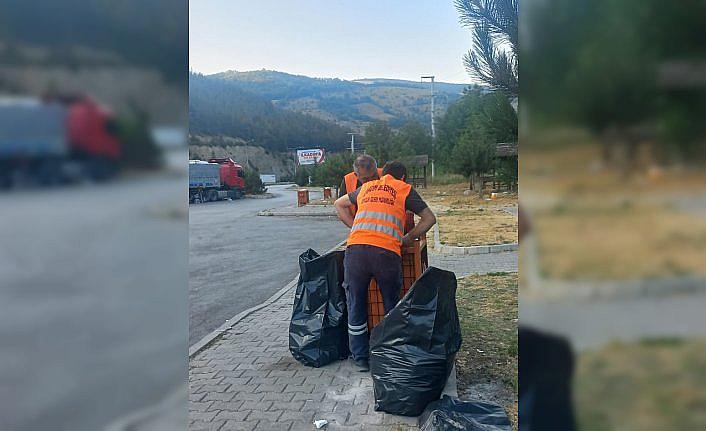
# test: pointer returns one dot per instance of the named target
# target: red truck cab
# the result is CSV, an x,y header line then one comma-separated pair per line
x,y
88,131
232,174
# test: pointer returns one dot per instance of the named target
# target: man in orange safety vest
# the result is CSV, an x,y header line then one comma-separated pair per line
x,y
374,248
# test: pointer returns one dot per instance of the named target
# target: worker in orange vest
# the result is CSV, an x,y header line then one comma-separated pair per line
x,y
374,248
365,169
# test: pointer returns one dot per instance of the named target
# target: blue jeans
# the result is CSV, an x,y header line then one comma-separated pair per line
x,y
361,264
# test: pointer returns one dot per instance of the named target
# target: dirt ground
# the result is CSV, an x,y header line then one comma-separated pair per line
x,y
595,222
466,220
487,361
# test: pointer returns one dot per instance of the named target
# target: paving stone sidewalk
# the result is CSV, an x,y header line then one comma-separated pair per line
x,y
248,380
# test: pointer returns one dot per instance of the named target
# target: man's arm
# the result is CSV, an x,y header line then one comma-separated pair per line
x,y
343,206
427,220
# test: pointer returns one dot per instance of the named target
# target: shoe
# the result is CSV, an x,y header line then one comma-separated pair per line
x,y
362,364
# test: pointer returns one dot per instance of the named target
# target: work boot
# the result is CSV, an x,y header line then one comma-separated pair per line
x,y
362,364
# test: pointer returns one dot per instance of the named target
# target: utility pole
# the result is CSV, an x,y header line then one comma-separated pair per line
x,y
433,132
352,142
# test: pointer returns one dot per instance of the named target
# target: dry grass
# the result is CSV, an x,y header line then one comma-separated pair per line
x,y
466,220
620,242
646,386
594,222
487,307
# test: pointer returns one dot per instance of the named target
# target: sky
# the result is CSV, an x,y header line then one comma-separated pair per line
x,y
347,39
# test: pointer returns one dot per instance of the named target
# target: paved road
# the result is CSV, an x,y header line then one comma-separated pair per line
x,y
93,283
238,259
591,324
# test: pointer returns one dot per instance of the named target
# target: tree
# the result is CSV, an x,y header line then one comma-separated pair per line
x,y
413,136
331,172
493,57
473,157
253,183
302,176
139,148
604,65
378,139
485,118
385,145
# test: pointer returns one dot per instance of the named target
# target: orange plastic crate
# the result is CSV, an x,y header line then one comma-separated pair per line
x,y
414,262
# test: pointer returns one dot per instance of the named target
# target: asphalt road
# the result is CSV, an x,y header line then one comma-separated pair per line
x,y
238,259
93,301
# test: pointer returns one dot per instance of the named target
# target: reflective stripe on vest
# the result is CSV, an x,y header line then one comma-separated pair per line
x,y
381,214
377,227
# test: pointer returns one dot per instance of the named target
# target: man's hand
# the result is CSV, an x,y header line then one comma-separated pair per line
x,y
426,221
407,240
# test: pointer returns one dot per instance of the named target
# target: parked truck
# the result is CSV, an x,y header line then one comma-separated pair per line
x,y
54,141
215,179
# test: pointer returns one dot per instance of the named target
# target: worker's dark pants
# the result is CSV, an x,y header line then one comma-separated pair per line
x,y
362,263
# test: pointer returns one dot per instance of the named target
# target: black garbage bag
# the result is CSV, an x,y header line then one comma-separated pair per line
x,y
412,350
318,331
452,414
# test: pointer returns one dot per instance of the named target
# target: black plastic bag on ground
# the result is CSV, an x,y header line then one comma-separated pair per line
x,y
318,331
413,349
452,414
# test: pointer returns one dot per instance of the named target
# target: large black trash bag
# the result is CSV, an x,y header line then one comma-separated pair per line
x,y
452,414
412,350
318,331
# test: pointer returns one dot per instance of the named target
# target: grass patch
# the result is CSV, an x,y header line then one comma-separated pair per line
x,y
656,384
620,241
466,220
599,222
487,307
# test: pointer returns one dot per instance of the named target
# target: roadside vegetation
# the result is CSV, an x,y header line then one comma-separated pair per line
x,y
465,219
592,222
487,362
650,385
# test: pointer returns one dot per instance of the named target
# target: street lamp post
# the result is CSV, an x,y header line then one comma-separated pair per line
x,y
433,131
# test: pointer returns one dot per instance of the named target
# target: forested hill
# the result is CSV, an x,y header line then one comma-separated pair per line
x,y
352,104
218,107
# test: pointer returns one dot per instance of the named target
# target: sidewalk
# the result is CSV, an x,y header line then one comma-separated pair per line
x,y
248,380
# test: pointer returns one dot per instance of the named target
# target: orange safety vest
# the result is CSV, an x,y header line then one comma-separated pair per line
x,y
381,216
351,180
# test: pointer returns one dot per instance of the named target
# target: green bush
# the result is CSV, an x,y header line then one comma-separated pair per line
x,y
302,176
138,148
332,171
253,183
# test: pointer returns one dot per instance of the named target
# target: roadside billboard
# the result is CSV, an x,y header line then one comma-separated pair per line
x,y
311,157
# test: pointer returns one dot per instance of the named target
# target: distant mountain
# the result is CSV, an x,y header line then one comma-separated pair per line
x,y
351,104
219,107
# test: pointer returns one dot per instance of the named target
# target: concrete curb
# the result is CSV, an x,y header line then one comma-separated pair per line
x,y
214,335
268,213
558,291
477,249
538,287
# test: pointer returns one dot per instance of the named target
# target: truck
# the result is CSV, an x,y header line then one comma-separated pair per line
x,y
57,140
214,180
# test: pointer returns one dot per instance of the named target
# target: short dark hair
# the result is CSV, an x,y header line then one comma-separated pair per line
x,y
397,169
